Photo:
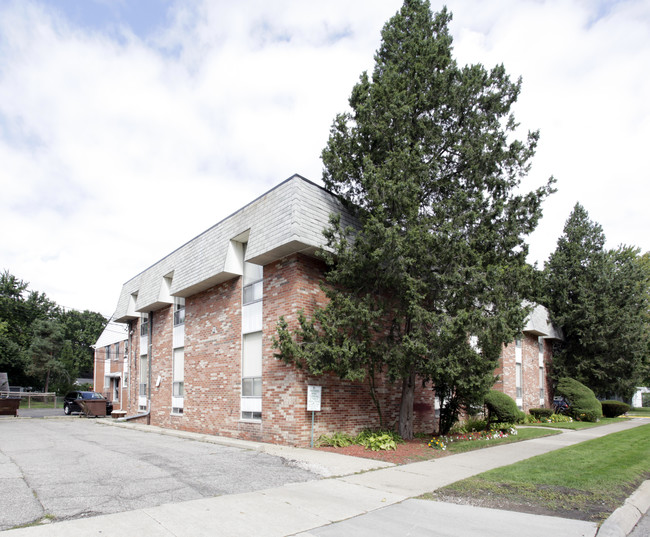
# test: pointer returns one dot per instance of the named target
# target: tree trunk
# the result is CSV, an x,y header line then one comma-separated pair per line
x,y
47,380
406,407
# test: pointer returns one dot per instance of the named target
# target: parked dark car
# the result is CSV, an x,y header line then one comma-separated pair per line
x,y
71,405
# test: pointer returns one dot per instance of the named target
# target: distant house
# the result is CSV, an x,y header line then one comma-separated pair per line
x,y
111,361
197,353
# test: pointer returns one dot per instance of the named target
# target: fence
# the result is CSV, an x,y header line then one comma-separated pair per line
x,y
47,398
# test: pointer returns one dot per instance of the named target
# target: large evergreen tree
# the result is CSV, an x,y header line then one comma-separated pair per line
x,y
599,298
431,283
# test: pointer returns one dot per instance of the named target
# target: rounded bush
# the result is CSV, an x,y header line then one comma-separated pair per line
x,y
501,407
583,405
541,413
614,409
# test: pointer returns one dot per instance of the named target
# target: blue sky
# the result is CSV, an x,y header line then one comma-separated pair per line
x,y
129,127
143,17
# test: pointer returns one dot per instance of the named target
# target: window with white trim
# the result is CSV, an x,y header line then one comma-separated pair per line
x,y
144,324
251,367
179,310
178,381
144,376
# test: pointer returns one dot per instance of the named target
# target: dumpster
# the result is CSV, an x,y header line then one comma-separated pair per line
x,y
9,406
93,408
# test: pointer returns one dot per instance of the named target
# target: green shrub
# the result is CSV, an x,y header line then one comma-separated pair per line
x,y
468,426
560,418
335,440
503,427
614,409
378,440
501,408
583,405
541,413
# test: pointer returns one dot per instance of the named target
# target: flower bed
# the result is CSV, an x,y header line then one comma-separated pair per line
x,y
441,442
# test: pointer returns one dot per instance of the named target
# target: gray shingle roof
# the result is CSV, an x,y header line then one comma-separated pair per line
x,y
289,218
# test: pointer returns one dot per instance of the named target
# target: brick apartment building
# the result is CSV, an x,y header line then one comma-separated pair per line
x,y
199,325
111,369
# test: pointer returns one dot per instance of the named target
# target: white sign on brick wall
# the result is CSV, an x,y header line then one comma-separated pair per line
x,y
313,398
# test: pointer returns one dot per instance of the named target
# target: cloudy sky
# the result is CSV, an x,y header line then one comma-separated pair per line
x,y
129,127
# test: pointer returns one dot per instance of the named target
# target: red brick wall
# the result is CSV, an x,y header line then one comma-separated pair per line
x,y
292,284
530,372
116,366
213,367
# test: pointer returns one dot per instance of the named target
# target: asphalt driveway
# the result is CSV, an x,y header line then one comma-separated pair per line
x,y
74,467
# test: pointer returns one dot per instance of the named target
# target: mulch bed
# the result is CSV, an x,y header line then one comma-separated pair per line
x,y
410,451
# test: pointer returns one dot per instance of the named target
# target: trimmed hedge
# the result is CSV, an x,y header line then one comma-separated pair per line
x,y
541,413
614,409
583,405
501,408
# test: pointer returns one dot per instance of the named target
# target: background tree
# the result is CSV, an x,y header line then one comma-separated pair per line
x,y
20,309
44,352
599,298
81,330
426,162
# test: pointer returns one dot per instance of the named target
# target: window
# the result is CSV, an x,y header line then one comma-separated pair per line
x,y
178,382
107,382
518,380
541,384
108,352
116,353
144,325
179,311
144,372
251,365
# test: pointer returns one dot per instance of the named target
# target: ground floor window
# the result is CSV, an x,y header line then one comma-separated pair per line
x,y
251,384
178,381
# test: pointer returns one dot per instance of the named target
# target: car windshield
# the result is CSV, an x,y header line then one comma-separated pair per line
x,y
91,395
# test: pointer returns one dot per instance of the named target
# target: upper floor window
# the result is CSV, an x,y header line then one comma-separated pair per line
x,y
116,353
144,324
179,311
108,352
253,276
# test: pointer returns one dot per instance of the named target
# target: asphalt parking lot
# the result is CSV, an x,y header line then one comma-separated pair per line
x,y
68,468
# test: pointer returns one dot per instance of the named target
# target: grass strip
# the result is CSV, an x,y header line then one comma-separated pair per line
x,y
522,434
576,425
587,481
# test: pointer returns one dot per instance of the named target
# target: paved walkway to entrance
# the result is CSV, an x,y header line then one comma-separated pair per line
x,y
375,501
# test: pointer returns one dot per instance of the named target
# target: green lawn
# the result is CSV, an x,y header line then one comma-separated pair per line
x,y
587,481
643,412
522,434
41,404
574,425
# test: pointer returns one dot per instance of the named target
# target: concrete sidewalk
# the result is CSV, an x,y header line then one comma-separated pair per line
x,y
375,501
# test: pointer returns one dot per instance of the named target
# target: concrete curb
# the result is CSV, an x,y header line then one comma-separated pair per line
x,y
622,521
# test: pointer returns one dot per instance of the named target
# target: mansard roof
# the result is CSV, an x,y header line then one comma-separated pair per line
x,y
288,219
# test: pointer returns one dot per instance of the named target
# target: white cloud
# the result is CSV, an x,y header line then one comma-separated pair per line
x,y
117,148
